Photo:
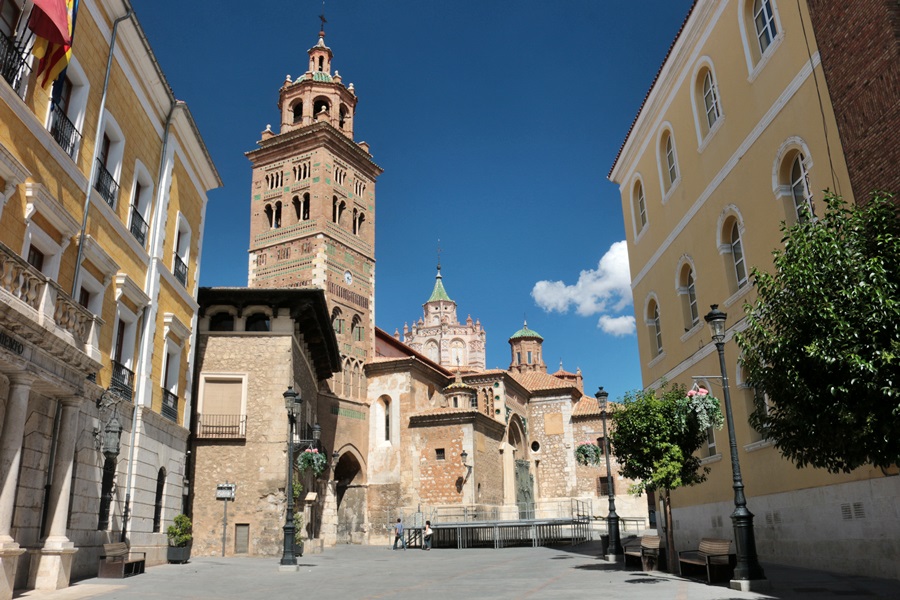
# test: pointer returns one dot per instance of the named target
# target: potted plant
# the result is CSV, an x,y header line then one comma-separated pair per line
x,y
180,537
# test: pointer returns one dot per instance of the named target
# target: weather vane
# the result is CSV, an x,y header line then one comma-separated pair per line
x,y
439,254
322,16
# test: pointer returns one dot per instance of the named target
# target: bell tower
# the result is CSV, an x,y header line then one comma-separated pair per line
x,y
312,221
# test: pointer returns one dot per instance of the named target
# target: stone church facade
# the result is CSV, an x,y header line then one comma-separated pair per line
x,y
413,428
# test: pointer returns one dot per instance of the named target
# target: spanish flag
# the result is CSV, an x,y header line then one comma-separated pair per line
x,y
54,56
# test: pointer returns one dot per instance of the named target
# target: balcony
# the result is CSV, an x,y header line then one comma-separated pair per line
x,y
13,65
138,226
180,270
31,294
63,130
122,380
222,426
169,405
106,184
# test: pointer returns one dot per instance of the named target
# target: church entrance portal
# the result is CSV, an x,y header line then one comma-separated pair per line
x,y
524,489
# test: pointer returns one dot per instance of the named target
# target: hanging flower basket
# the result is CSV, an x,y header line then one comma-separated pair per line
x,y
705,408
588,454
311,458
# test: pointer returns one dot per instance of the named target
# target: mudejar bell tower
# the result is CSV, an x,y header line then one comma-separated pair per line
x,y
312,220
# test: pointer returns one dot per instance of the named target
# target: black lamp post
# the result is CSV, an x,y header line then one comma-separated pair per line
x,y
292,403
612,519
748,567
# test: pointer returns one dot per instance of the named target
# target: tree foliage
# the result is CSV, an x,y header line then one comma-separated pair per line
x,y
823,339
654,439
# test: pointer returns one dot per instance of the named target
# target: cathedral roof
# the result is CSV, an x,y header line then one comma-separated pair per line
x,y
526,333
589,407
535,381
321,76
439,293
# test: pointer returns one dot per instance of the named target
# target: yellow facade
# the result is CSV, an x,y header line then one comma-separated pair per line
x,y
98,313
743,96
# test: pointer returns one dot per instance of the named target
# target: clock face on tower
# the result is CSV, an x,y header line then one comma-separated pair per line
x,y
348,277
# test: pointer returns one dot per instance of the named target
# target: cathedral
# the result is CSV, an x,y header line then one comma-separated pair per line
x,y
411,426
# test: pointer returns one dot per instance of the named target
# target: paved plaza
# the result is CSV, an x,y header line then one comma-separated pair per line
x,y
351,572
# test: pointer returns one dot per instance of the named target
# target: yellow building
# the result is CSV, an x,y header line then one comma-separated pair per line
x,y
103,202
737,134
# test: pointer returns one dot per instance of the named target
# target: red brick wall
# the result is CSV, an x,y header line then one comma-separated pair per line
x,y
859,43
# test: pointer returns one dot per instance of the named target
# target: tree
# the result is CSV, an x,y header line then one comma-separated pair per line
x,y
823,339
654,440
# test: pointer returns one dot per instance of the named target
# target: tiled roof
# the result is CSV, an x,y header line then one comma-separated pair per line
x,y
526,333
445,410
562,373
321,76
439,292
535,381
586,407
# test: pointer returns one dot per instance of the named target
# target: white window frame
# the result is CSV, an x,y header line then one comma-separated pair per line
x,y
705,130
639,217
144,204
39,200
781,174
757,60
243,378
665,138
116,153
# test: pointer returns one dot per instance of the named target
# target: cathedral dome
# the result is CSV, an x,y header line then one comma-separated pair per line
x,y
526,333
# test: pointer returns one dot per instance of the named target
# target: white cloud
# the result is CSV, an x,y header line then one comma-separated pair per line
x,y
617,326
605,290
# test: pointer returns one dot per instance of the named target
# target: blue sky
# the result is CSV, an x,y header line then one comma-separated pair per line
x,y
495,122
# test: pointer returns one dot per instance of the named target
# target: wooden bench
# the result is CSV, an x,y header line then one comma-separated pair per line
x,y
647,552
713,555
117,561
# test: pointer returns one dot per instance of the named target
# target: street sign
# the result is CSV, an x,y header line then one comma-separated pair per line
x,y
225,491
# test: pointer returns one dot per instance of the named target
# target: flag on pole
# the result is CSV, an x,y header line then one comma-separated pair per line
x,y
53,57
50,20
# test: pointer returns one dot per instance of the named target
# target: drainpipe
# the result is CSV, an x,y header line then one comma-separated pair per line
x,y
87,194
158,218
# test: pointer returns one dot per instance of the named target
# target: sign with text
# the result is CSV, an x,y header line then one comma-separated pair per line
x,y
225,491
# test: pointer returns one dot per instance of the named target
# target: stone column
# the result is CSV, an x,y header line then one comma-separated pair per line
x,y
51,565
328,532
10,458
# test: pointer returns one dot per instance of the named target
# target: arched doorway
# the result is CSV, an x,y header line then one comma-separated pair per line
x,y
350,496
522,477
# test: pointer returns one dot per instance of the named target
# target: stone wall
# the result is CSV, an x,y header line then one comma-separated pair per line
x,y
549,424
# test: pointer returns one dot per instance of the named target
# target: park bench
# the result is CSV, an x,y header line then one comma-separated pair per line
x,y
647,552
713,555
117,562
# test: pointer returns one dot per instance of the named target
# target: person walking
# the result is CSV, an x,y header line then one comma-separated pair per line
x,y
426,545
398,534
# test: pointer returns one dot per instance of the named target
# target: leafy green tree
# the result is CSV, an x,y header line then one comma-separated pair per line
x,y
823,339
654,439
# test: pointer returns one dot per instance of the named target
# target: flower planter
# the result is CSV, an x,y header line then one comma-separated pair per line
x,y
178,554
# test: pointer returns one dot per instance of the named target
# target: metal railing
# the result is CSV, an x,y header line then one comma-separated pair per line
x,y
180,270
122,380
13,65
221,426
138,226
63,130
106,184
169,405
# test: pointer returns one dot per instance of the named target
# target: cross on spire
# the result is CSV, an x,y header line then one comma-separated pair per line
x,y
322,16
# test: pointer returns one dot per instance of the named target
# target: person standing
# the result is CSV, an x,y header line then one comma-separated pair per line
x,y
427,537
398,534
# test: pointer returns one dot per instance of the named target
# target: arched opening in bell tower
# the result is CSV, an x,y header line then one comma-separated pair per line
x,y
298,112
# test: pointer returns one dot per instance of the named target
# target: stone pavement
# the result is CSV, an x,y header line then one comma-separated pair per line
x,y
370,572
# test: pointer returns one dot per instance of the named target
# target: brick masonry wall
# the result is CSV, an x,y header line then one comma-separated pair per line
x,y
859,43
548,422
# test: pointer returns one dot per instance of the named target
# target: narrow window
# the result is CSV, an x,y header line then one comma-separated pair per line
x,y
764,21
298,112
737,256
84,297
657,330
277,221
439,454
387,420
473,402
710,99
529,357
800,189
270,215
305,215
35,258
518,358
158,503
692,299
672,169
641,206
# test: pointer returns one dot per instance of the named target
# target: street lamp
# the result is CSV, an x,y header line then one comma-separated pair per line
x,y
748,567
612,519
292,403
464,457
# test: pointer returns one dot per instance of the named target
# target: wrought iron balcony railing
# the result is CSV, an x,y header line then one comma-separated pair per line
x,y
122,380
63,130
169,405
13,65
221,426
138,226
180,270
106,184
